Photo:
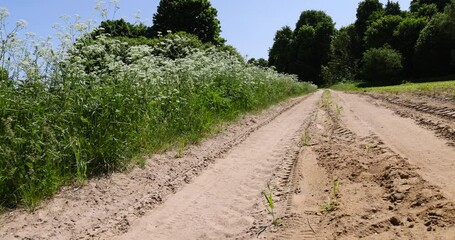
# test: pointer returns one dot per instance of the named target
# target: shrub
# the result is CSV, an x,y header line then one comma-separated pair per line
x,y
381,66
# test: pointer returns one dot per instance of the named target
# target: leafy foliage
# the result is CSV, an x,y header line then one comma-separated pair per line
x,y
440,4
196,17
432,56
279,54
392,8
380,32
381,66
406,35
365,10
121,28
306,49
261,62
342,64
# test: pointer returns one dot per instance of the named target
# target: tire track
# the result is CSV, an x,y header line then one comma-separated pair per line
x,y
381,195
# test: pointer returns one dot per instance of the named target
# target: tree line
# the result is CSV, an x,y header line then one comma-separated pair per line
x,y
383,46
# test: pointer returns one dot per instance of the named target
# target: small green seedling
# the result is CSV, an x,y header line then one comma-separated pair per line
x,y
306,139
270,205
332,203
338,109
180,149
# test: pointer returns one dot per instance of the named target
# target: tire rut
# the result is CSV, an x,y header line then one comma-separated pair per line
x,y
381,194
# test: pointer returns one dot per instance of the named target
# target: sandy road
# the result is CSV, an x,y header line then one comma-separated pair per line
x,y
393,178
217,204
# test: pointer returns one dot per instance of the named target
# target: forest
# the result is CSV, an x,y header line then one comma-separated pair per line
x,y
385,45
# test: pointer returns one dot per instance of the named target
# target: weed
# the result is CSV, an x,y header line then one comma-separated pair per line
x,y
180,149
270,207
332,203
306,138
326,99
338,110
368,147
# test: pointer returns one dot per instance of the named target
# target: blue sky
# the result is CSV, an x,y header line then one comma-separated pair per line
x,y
248,25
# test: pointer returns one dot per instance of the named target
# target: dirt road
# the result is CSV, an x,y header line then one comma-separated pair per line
x,y
339,166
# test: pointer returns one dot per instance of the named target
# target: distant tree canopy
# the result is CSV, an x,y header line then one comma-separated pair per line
x,y
304,50
279,54
197,17
260,62
417,4
122,28
383,45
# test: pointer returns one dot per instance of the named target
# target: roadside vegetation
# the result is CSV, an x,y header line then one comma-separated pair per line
x,y
101,99
429,88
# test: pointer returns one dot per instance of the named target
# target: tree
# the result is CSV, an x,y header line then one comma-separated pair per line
x,y
426,10
381,66
303,53
364,12
406,34
392,8
196,17
440,4
279,54
435,44
342,64
312,38
121,28
381,31
261,62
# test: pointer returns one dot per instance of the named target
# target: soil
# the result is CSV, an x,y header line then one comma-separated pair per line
x,y
351,166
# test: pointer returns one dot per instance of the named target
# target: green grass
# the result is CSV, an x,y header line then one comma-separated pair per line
x,y
429,88
331,205
270,205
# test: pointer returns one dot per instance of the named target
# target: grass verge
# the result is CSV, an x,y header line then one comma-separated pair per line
x,y
428,88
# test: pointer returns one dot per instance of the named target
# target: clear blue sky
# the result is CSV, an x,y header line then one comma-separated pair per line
x,y
248,25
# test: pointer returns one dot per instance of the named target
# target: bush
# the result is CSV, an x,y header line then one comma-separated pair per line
x,y
381,66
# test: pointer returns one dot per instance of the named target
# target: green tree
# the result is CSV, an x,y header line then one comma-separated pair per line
x,y
406,34
342,65
365,9
303,53
279,54
381,31
261,62
440,4
312,38
426,10
197,17
435,44
121,28
381,66
392,8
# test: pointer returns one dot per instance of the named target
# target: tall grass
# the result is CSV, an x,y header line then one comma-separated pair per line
x,y
98,103
429,88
